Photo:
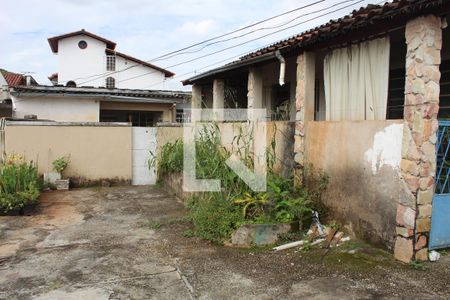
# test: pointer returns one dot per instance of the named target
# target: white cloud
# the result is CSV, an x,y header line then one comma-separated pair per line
x,y
197,27
141,28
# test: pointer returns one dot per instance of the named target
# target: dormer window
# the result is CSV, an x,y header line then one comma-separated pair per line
x,y
110,83
110,63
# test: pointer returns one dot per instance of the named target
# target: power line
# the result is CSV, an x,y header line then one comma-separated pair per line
x,y
237,45
211,39
253,31
243,43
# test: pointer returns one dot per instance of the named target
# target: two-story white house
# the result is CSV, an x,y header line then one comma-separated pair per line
x,y
96,83
90,60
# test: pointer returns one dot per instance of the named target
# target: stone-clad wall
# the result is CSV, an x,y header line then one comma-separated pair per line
x,y
304,103
418,165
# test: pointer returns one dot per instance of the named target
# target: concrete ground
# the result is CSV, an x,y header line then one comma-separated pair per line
x,y
131,243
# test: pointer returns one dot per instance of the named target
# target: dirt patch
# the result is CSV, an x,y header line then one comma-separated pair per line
x,y
8,249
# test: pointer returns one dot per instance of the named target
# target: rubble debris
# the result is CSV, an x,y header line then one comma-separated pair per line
x,y
316,221
317,242
330,236
434,255
289,245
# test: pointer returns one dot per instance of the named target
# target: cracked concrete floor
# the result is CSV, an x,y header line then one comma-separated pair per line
x,y
128,243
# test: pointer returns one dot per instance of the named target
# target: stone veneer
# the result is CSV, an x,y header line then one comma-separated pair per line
x,y
299,143
418,165
304,104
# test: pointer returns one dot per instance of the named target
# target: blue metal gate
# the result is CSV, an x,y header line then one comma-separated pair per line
x,y
440,219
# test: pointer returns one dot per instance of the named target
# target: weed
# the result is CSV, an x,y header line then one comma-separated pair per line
x,y
153,225
417,265
188,233
19,184
216,215
306,246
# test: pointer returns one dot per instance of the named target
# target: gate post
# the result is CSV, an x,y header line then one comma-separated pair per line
x,y
418,165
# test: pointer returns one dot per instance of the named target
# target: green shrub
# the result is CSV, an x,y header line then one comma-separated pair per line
x,y
60,164
214,217
18,184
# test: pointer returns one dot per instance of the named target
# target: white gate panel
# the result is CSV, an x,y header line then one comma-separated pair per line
x,y
144,143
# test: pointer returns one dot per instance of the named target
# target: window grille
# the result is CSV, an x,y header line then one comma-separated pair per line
x,y
110,63
110,83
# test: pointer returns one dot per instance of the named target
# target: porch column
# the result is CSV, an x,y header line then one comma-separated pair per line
x,y
304,103
196,101
255,91
418,165
218,97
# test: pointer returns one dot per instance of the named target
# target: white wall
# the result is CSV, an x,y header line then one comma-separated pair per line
x,y
74,63
4,94
62,109
148,78
78,64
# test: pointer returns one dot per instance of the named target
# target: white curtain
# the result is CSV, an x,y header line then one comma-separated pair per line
x,y
356,81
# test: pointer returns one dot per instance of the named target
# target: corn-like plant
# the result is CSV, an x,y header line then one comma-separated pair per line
x,y
18,183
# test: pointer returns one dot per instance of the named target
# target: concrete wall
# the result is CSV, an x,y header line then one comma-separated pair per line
x,y
65,109
96,152
362,159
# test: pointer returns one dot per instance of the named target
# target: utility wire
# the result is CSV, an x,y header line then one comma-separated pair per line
x,y
253,31
211,39
240,44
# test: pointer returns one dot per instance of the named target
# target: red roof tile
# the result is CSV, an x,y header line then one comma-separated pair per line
x,y
357,20
141,62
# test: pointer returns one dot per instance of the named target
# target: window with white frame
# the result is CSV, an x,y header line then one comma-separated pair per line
x,y
110,63
110,83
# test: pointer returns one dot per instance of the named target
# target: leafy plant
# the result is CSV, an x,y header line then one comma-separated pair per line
x,y
306,246
19,183
417,265
291,209
153,225
169,160
253,205
60,164
214,217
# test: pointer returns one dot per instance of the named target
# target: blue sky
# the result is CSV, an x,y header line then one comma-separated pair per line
x,y
147,29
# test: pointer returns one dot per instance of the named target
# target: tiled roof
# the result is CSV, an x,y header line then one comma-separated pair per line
x,y
167,73
53,41
92,91
357,20
15,79
372,19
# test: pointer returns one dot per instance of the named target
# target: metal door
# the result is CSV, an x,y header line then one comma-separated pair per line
x,y
144,143
440,218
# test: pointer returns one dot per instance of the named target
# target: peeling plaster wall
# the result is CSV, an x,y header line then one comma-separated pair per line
x,y
365,186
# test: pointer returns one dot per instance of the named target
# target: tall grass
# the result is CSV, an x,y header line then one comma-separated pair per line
x,y
18,184
217,214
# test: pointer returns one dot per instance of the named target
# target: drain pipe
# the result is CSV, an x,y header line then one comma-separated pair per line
x,y
282,66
